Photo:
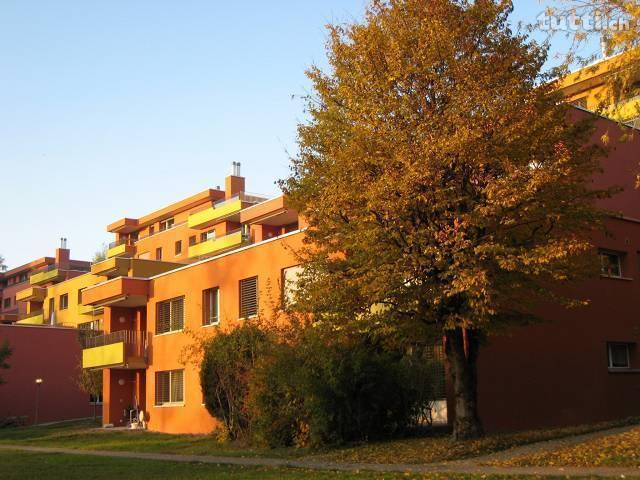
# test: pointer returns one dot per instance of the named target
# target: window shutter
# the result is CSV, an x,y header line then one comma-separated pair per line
x,y
163,317
248,297
162,388
177,314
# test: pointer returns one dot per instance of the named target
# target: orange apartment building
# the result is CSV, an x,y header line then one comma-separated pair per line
x,y
221,256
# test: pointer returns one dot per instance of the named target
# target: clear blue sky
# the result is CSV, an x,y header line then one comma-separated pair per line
x,y
117,108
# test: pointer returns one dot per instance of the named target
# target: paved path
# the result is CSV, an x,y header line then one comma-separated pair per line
x,y
477,465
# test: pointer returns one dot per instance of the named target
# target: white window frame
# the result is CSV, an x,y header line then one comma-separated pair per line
x,y
205,314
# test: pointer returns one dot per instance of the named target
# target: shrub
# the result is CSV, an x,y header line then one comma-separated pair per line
x,y
321,392
228,360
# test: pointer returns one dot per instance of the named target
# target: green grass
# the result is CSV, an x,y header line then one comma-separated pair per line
x,y
436,448
28,466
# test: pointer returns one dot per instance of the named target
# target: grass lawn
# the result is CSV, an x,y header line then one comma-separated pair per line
x,y
28,466
436,448
620,450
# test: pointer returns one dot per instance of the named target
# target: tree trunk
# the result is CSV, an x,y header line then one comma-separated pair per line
x,y
462,355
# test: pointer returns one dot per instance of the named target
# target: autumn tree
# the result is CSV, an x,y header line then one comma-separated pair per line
x,y
3,265
90,382
444,186
100,255
5,353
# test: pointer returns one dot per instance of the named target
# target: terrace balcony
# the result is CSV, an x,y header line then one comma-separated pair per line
x,y
33,318
121,248
32,294
216,245
227,209
120,292
131,267
123,349
51,273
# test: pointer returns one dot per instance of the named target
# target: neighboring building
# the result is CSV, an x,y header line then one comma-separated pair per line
x,y
51,355
39,273
588,88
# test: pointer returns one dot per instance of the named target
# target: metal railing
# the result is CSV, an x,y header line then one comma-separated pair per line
x,y
136,342
245,236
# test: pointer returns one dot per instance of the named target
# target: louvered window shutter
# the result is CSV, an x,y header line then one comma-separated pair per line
x,y
248,297
177,314
163,317
162,388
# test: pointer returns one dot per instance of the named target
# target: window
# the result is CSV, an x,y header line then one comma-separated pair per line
x,y
159,253
580,102
619,355
93,325
192,240
210,306
169,387
178,247
210,235
80,296
6,303
64,301
610,264
152,230
248,297
170,316
166,224
95,399
290,278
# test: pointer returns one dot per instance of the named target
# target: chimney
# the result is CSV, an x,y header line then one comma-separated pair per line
x,y
63,255
234,183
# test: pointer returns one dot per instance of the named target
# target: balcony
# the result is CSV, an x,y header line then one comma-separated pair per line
x,y
132,267
217,245
118,292
626,110
33,318
121,248
125,349
32,294
222,210
45,275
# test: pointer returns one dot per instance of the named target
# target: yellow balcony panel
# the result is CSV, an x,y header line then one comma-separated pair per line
x,y
32,294
122,250
32,319
111,267
45,276
208,217
207,247
625,110
103,356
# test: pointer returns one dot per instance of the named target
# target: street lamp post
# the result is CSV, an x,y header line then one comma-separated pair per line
x,y
38,384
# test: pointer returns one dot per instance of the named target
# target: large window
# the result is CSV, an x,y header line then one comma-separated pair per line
x,y
64,301
290,278
611,263
248,297
166,224
7,303
619,356
210,306
170,316
159,253
169,387
178,247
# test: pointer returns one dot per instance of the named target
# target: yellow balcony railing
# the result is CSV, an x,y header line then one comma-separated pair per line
x,y
214,245
625,110
120,249
208,216
44,276
32,294
123,349
34,318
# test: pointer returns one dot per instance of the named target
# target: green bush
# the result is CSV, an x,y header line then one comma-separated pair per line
x,y
316,392
228,361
